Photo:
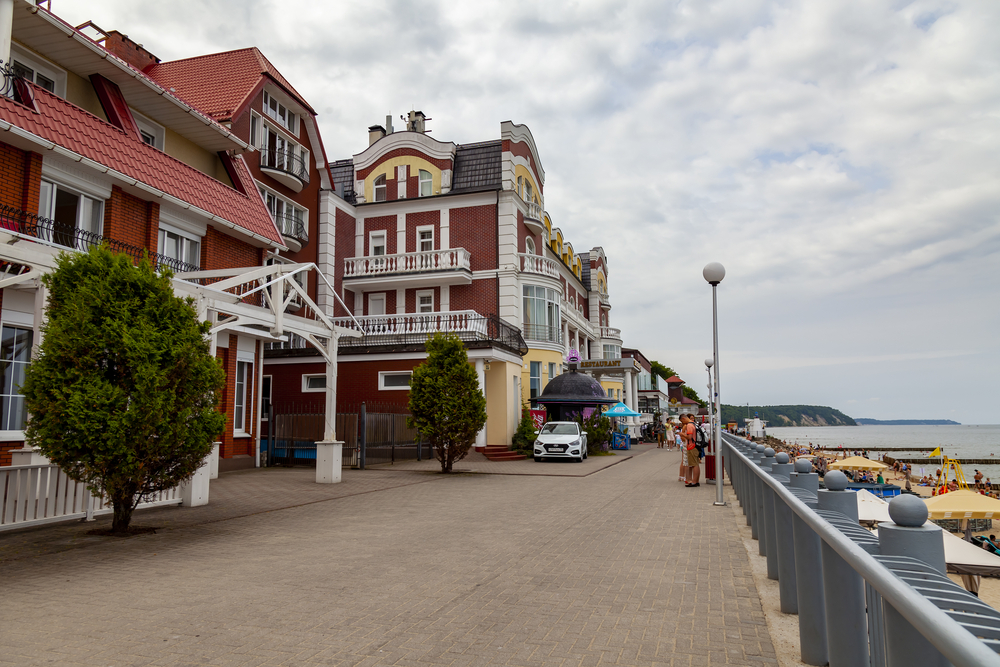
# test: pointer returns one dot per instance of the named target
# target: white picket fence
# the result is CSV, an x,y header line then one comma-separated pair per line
x,y
37,494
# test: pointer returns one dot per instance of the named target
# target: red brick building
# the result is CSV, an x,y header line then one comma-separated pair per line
x,y
93,148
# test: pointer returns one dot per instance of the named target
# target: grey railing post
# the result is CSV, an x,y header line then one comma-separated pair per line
x,y
909,535
362,435
784,542
769,541
843,587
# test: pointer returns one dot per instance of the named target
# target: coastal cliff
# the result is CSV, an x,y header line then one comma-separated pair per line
x,y
788,415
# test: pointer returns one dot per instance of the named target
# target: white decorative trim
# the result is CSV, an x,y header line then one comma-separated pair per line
x,y
381,380
521,134
424,204
182,224
305,382
422,143
66,173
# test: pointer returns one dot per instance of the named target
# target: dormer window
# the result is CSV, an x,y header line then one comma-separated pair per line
x,y
40,72
425,183
380,188
277,111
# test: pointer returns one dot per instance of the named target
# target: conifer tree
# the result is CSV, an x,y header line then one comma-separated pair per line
x,y
123,393
446,403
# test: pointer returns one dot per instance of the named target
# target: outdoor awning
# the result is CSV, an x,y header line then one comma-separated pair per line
x,y
871,507
621,410
962,504
857,463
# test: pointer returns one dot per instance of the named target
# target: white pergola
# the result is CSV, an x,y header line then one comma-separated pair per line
x,y
248,300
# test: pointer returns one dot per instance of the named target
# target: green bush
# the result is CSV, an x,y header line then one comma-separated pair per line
x,y
598,428
524,437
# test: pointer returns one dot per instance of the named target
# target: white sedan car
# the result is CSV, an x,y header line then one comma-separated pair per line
x,y
561,440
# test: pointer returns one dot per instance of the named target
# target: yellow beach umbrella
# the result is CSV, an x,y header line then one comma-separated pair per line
x,y
857,463
962,504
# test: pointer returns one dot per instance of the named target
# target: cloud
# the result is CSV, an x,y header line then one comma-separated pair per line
x,y
841,158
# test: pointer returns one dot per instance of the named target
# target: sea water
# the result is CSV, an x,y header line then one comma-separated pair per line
x,y
956,441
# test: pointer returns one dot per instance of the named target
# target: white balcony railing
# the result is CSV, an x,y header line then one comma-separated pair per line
x,y
543,266
534,211
611,332
410,262
416,323
605,299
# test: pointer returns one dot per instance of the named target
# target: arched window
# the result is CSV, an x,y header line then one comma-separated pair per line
x,y
425,183
529,246
380,188
520,183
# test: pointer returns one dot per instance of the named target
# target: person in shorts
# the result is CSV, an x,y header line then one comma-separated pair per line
x,y
688,431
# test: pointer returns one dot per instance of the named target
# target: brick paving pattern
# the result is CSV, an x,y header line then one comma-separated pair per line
x,y
623,567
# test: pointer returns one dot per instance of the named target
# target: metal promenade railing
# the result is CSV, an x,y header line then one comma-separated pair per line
x,y
861,599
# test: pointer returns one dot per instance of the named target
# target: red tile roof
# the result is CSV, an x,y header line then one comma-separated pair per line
x,y
673,379
71,127
221,84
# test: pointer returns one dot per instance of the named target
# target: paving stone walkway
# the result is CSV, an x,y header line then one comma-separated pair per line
x,y
624,566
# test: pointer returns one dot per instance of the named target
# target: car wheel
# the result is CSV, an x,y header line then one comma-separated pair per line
x,y
537,459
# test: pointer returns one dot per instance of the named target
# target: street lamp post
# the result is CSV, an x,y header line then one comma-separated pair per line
x,y
714,273
711,408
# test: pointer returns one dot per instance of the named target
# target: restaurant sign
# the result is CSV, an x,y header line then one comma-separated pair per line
x,y
611,365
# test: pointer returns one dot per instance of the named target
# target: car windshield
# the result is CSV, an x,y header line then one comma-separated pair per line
x,y
561,429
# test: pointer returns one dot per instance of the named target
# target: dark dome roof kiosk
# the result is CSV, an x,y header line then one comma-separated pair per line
x,y
568,396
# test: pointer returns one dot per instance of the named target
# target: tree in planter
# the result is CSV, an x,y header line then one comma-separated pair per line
x,y
123,394
446,403
524,437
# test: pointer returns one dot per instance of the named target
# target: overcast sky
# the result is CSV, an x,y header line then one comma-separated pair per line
x,y
841,158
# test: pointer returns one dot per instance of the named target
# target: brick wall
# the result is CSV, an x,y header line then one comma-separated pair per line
x,y
414,220
386,223
358,381
232,446
286,387
20,178
480,296
221,251
131,219
411,299
475,229
390,300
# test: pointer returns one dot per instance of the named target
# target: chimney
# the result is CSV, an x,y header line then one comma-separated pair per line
x,y
132,53
415,123
375,132
388,124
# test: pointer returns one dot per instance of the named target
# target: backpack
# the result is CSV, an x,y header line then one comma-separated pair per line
x,y
700,440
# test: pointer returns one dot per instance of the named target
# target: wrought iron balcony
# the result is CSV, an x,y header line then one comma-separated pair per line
x,y
412,330
74,238
293,229
539,265
543,333
286,166
410,269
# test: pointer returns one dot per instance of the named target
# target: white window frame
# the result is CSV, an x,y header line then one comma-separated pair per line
x,y
187,237
552,370
381,380
422,180
272,199
41,66
384,187
371,242
14,435
424,293
290,121
377,296
529,245
520,185
46,207
420,242
534,381
306,389
154,130
245,362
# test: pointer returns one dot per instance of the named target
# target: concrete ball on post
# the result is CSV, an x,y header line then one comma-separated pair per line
x,y
782,458
908,511
803,466
836,481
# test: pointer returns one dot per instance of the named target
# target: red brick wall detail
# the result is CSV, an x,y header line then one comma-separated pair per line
x,y
480,296
386,223
475,229
20,178
414,220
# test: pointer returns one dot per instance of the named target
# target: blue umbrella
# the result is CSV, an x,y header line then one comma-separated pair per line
x,y
621,410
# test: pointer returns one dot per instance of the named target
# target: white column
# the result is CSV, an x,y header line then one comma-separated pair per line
x,y
635,395
566,341
194,492
445,304
627,391
444,241
6,28
400,234
400,301
330,452
481,374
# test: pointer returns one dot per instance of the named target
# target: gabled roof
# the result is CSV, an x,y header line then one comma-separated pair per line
x,y
478,167
222,84
67,126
